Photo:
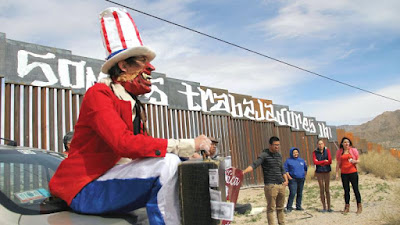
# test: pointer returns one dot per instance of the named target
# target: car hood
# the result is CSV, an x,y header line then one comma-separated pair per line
x,y
70,218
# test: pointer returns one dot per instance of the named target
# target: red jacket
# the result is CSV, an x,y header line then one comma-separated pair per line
x,y
353,152
103,134
323,162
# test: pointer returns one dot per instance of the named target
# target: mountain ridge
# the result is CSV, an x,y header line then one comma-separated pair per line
x,y
384,129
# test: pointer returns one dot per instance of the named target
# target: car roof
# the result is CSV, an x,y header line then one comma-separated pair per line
x,y
9,147
17,149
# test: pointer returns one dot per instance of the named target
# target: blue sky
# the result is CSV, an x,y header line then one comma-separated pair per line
x,y
356,42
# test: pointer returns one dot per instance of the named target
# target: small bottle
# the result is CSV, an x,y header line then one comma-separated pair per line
x,y
350,160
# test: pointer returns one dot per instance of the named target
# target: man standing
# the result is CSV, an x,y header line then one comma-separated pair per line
x,y
213,148
275,180
67,142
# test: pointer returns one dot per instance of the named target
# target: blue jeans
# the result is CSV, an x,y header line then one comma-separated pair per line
x,y
295,187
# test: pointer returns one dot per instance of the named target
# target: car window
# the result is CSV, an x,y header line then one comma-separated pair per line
x,y
24,179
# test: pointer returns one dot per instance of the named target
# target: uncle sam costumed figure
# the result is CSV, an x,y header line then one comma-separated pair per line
x,y
114,165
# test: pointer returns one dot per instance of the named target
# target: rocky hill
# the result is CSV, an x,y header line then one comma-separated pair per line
x,y
383,129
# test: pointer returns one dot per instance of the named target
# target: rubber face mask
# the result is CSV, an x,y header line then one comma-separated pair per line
x,y
141,84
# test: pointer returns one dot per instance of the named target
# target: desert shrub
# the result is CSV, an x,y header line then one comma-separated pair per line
x,y
310,173
383,165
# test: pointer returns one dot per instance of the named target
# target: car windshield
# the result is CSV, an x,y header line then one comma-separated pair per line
x,y
24,177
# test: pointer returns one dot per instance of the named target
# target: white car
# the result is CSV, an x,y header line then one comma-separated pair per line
x,y
25,198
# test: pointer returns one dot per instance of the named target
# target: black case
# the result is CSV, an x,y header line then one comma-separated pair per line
x,y
194,194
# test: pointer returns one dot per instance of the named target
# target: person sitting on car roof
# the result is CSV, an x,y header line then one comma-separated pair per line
x,y
114,165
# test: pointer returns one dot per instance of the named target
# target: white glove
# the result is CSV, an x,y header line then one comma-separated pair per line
x,y
202,142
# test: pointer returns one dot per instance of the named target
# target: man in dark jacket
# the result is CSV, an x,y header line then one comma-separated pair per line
x,y
275,179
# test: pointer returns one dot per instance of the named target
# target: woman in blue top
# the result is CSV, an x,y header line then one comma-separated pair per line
x,y
296,170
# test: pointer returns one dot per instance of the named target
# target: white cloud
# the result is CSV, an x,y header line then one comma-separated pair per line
x,y
347,53
71,25
323,19
55,18
354,109
181,54
244,75
174,10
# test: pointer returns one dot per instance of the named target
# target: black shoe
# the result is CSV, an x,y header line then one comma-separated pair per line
x,y
288,210
329,210
300,209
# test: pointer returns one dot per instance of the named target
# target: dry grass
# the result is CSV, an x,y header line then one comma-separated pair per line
x,y
311,172
383,165
379,204
393,218
379,183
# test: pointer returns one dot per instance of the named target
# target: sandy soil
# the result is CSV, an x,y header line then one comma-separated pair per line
x,y
379,204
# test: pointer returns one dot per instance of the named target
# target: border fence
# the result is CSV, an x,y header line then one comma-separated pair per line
x,y
42,89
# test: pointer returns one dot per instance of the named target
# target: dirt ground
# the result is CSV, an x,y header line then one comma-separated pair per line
x,y
379,204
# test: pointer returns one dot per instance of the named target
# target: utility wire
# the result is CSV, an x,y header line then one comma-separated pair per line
x,y
257,53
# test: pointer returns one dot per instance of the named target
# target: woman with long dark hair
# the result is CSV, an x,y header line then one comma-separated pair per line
x,y
347,159
323,160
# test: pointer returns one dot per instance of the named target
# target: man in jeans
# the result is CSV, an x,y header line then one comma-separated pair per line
x,y
275,180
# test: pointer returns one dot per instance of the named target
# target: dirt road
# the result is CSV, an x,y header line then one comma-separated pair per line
x,y
378,196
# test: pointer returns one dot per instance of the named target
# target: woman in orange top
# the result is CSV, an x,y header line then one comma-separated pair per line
x,y
347,159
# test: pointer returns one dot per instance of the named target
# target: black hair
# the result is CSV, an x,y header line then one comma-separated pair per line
x,y
273,139
67,139
115,71
341,143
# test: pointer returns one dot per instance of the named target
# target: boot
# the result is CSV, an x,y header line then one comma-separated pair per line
x,y
359,208
346,209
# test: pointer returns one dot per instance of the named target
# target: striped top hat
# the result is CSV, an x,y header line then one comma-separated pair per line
x,y
121,37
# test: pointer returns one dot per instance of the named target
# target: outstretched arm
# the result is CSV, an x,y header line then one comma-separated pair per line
x,y
248,170
255,164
